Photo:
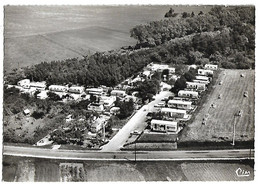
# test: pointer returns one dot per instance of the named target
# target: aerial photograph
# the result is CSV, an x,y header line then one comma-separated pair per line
x,y
98,93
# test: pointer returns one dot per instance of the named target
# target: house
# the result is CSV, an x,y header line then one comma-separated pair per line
x,y
201,81
95,107
58,88
173,113
107,101
188,94
27,112
42,95
179,104
147,73
97,125
115,110
119,93
205,72
38,85
164,126
203,78
130,97
211,67
196,86
25,83
76,89
157,67
95,91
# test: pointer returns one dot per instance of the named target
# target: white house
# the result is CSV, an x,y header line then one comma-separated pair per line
x,y
173,113
25,83
38,85
196,86
42,95
179,104
95,91
97,125
188,94
211,67
58,88
119,93
203,78
147,73
205,72
95,107
26,112
76,89
107,101
164,126
157,67
201,81
115,110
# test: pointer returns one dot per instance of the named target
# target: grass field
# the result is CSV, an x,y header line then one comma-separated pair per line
x,y
48,170
220,121
33,34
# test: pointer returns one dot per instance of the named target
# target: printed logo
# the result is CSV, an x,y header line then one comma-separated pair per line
x,y
242,173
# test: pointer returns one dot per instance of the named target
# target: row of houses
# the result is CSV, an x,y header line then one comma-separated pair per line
x,y
178,107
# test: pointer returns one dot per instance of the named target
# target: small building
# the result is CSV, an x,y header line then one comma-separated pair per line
x,y
164,126
42,95
203,78
173,113
201,81
130,97
119,93
196,86
58,88
179,104
27,112
38,85
147,73
76,89
97,125
95,91
205,72
211,67
96,107
25,83
107,101
188,94
115,110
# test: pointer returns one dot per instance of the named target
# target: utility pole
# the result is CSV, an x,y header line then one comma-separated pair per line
x,y
135,151
234,132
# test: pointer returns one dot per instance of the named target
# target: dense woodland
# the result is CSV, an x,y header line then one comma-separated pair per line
x,y
224,36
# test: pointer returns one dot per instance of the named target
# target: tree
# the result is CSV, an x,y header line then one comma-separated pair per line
x,y
53,96
180,84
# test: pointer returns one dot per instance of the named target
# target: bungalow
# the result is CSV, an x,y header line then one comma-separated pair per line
x,y
205,72
95,91
179,104
157,67
107,101
211,67
115,110
58,88
25,83
173,113
188,94
95,107
76,89
98,124
119,93
203,78
38,85
26,112
164,126
201,81
196,86
42,95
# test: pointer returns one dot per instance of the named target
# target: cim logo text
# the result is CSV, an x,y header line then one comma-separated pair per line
x,y
242,173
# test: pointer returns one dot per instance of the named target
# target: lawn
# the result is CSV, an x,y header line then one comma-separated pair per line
x,y
221,118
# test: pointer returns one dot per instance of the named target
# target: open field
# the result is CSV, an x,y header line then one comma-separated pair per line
x,y
221,117
33,34
48,170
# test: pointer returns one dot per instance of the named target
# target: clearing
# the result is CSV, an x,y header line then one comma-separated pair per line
x,y
220,118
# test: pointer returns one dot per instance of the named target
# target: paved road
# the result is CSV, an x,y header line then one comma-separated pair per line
x,y
136,121
128,155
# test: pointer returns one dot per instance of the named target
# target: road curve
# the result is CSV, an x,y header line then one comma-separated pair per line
x,y
129,155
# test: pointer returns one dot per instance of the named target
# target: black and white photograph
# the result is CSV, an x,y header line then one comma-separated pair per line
x,y
130,92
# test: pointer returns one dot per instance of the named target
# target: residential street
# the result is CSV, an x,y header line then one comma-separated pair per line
x,y
137,121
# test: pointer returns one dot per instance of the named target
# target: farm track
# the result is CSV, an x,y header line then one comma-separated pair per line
x,y
221,118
